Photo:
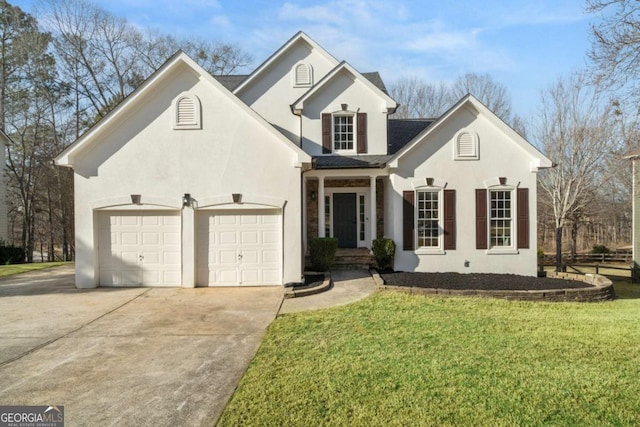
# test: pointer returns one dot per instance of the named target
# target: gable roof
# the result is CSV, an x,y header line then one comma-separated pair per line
x,y
89,138
298,105
538,160
299,37
231,81
401,131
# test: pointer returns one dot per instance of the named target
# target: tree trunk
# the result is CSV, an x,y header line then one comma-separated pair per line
x,y
558,249
574,240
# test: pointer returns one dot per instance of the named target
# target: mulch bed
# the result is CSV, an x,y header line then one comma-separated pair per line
x,y
477,281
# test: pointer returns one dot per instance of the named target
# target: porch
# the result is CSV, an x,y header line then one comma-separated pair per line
x,y
344,204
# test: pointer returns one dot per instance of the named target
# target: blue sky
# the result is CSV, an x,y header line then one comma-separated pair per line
x,y
523,44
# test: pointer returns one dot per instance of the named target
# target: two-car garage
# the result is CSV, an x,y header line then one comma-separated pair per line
x,y
232,247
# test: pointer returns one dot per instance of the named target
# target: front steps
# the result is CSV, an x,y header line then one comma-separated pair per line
x,y
350,259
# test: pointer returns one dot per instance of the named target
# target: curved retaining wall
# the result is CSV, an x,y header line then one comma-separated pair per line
x,y
602,290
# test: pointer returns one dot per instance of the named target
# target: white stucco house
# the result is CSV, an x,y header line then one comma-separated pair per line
x,y
195,180
4,212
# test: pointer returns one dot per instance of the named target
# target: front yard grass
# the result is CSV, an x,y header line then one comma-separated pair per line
x,y
10,270
395,359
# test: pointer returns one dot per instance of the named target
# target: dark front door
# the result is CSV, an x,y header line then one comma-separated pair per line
x,y
345,228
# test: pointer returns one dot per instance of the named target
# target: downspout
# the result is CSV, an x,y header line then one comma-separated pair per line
x,y
303,198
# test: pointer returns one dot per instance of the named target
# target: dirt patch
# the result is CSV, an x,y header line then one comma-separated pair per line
x,y
477,281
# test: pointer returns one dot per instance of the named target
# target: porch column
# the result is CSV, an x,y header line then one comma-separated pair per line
x,y
321,206
304,216
188,247
372,203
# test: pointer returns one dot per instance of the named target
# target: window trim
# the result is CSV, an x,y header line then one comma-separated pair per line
x,y
426,250
512,248
354,133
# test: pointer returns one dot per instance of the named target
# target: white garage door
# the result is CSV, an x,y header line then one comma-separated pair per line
x,y
139,248
239,248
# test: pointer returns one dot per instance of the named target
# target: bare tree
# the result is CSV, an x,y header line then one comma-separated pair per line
x,y
94,49
154,48
490,92
576,131
419,99
615,47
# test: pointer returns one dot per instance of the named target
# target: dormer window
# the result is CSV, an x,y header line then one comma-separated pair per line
x,y
302,75
342,132
466,146
186,112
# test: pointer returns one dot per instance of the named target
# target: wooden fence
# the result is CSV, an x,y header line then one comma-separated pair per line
x,y
613,261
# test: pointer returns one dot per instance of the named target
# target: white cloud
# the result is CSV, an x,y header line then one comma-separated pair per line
x,y
221,21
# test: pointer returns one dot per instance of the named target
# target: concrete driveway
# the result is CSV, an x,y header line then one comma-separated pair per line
x,y
138,356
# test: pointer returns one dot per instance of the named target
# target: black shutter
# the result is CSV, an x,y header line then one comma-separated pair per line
x,y
326,133
362,132
523,218
407,220
449,219
481,219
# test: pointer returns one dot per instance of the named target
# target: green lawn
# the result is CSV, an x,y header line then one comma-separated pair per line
x,y
395,359
10,270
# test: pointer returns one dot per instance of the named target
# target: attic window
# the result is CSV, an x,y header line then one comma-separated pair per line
x,y
302,75
466,146
186,114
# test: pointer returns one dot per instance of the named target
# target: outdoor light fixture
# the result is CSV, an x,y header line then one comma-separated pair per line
x,y
237,198
135,199
186,200
313,196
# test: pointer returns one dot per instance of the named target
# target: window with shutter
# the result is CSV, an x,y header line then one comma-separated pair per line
x,y
429,220
186,112
502,219
466,146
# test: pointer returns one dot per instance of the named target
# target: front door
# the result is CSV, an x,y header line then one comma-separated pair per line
x,y
345,227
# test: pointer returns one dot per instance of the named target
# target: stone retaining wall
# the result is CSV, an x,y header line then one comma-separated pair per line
x,y
602,290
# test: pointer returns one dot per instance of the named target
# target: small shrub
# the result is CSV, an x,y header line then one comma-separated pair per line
x,y
11,255
540,253
323,252
600,249
384,250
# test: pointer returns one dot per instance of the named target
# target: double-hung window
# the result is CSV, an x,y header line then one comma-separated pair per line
x,y
343,132
428,219
501,218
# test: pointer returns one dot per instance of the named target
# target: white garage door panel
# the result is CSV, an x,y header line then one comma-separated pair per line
x,y
239,248
139,248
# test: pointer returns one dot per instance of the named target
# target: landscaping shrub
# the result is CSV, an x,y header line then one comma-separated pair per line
x,y
323,252
384,250
600,249
11,254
